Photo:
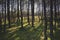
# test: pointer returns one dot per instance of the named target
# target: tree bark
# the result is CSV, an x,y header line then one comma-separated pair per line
x,y
51,20
5,18
21,14
8,12
32,10
45,20
28,13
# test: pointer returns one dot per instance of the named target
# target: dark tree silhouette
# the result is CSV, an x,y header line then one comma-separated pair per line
x,y
1,17
32,10
58,13
18,17
21,13
45,18
0,23
5,17
51,19
8,11
28,12
18,9
55,14
42,12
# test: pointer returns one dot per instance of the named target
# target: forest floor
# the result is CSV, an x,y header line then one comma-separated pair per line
x,y
26,33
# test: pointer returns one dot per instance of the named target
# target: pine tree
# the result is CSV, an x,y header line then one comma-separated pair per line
x,y
51,20
28,13
45,20
1,17
5,18
21,14
8,12
32,11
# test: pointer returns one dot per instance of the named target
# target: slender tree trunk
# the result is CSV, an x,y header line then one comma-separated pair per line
x,y
45,20
1,17
2,10
5,18
32,10
51,20
21,14
18,17
55,14
58,15
0,23
18,9
8,12
28,13
42,13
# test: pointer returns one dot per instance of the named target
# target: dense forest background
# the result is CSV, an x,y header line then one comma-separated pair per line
x,y
29,19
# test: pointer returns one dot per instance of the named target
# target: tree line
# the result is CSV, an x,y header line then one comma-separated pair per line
x,y
53,14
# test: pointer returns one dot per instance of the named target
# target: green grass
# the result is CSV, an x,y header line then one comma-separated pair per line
x,y
28,33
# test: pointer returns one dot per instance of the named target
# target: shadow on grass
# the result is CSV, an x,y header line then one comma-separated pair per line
x,y
57,34
28,33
